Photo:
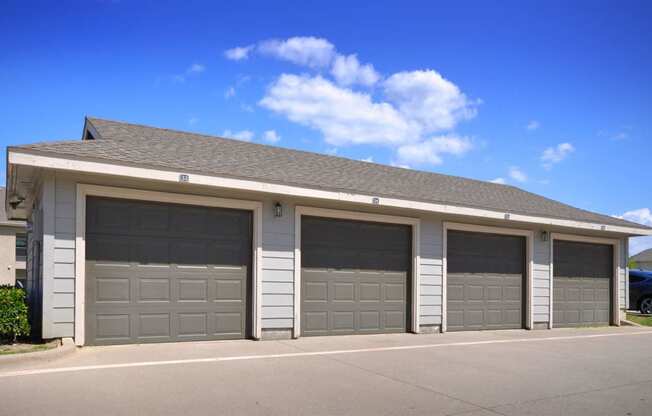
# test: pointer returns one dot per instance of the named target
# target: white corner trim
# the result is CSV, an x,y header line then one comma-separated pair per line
x,y
86,166
415,223
551,283
615,288
529,236
626,254
84,190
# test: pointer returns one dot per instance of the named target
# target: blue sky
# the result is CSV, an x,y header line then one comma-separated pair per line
x,y
553,97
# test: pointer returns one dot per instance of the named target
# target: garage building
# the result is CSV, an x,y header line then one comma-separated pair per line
x,y
139,234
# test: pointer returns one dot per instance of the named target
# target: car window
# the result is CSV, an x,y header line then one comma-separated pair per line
x,y
635,279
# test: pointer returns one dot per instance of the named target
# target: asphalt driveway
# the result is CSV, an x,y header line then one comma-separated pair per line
x,y
606,371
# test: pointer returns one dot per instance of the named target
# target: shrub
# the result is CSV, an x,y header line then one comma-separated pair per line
x,y
13,313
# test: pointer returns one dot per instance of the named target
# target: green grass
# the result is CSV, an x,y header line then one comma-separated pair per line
x,y
24,348
641,320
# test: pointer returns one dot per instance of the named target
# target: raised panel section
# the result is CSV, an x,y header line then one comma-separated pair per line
x,y
112,327
154,325
154,290
192,324
193,290
112,290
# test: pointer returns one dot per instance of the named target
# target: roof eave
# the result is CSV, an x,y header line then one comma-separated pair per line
x,y
45,160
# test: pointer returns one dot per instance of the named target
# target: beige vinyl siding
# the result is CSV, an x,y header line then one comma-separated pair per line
x,y
622,277
278,267
541,280
430,309
56,204
63,286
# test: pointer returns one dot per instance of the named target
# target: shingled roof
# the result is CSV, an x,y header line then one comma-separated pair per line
x,y
131,144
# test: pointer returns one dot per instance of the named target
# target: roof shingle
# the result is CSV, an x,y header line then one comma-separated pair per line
x,y
124,143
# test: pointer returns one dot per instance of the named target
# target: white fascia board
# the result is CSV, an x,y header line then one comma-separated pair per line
x,y
86,166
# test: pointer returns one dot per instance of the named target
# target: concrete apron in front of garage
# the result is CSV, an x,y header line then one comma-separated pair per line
x,y
593,371
328,345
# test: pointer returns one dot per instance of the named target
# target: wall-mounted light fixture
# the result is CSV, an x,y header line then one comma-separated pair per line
x,y
278,210
544,235
15,200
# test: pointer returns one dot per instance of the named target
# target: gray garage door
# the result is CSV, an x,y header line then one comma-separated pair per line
x,y
354,277
484,281
162,272
582,283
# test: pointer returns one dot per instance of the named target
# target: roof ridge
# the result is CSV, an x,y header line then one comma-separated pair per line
x,y
269,146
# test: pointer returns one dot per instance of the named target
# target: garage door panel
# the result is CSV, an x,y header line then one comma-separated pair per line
x,y
113,326
582,283
351,283
192,290
166,286
343,321
192,324
343,292
315,322
370,320
153,290
228,323
370,292
485,276
154,325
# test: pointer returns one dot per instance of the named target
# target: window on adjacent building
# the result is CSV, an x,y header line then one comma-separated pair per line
x,y
21,247
21,278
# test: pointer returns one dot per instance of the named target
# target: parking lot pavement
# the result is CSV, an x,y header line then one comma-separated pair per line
x,y
601,371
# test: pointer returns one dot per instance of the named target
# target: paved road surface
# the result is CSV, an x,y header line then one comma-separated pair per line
x,y
605,371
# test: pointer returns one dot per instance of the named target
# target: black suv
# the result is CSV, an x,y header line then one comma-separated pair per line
x,y
640,291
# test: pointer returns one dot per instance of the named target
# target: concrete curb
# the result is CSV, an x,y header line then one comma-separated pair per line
x,y
67,347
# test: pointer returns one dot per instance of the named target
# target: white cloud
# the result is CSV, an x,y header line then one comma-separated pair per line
x,y
517,174
533,125
556,154
271,136
193,120
430,151
347,71
369,159
343,116
244,135
246,108
192,70
307,51
408,108
238,53
429,99
641,216
426,103
230,92
619,136
500,181
399,165
196,69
